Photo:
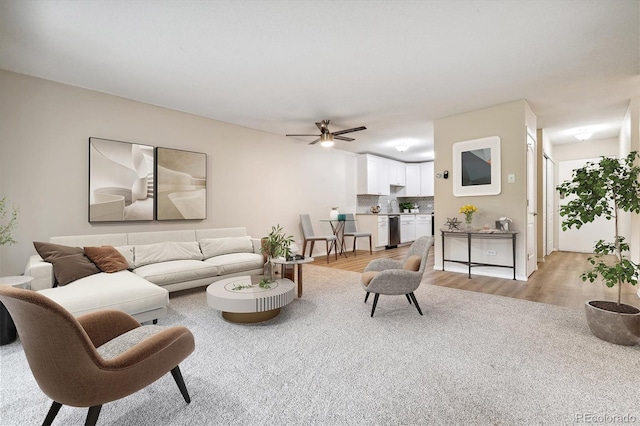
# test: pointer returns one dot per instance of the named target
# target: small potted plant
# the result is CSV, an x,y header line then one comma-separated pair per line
x,y
275,245
406,206
606,189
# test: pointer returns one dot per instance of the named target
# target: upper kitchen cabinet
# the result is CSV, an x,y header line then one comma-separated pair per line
x,y
426,179
419,180
412,187
373,175
397,173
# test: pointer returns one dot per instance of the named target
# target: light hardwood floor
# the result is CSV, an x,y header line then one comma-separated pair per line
x,y
557,280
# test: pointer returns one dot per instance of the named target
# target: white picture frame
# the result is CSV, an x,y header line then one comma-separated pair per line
x,y
476,167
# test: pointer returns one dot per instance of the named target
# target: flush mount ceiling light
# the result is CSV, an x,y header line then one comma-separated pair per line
x,y
402,147
583,135
326,140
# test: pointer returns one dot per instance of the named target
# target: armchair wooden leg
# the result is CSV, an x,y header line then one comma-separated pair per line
x,y
311,249
366,297
92,416
408,298
53,412
304,247
375,302
328,250
415,302
354,246
177,376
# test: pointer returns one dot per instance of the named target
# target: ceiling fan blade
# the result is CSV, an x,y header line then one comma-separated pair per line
x,y
342,138
355,129
314,142
303,135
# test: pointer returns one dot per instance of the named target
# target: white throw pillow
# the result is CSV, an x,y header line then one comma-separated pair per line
x,y
127,252
218,246
147,254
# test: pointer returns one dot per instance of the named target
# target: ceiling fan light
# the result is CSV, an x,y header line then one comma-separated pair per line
x,y
326,140
401,147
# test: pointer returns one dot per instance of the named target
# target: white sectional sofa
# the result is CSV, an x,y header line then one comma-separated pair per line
x,y
159,262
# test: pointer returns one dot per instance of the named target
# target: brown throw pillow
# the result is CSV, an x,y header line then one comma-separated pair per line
x,y
107,258
412,263
69,263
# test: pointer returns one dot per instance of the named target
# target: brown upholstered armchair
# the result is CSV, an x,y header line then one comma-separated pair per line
x,y
397,277
96,358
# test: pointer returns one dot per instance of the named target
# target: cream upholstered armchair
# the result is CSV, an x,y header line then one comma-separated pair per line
x,y
94,359
396,277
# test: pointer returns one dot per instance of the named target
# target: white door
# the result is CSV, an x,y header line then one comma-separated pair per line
x,y
581,240
383,231
532,260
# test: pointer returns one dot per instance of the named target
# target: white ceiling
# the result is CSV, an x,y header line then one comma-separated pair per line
x,y
392,66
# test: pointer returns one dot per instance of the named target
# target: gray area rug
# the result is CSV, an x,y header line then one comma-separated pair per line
x,y
471,359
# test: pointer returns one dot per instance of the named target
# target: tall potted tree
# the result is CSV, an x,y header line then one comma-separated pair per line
x,y
606,189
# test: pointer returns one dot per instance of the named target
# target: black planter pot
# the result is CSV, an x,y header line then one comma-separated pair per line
x,y
608,322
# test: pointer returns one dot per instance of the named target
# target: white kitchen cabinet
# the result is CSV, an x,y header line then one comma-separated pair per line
x,y
397,173
407,228
426,179
377,225
423,225
373,175
412,187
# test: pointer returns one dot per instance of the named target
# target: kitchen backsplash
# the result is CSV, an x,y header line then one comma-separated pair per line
x,y
365,202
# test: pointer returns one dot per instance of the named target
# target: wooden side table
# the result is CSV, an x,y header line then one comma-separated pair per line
x,y
7,327
288,267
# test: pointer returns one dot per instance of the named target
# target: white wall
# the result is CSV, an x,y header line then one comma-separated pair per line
x,y
255,179
629,140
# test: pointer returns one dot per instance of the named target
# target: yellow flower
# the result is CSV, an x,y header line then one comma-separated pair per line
x,y
469,208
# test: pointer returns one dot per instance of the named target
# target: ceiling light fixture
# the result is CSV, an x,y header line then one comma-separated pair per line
x,y
401,147
583,135
326,140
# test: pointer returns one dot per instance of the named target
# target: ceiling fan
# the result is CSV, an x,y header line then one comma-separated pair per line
x,y
326,137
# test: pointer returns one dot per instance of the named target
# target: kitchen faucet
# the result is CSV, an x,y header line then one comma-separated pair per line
x,y
390,207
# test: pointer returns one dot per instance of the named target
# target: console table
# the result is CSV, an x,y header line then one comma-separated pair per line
x,y
480,234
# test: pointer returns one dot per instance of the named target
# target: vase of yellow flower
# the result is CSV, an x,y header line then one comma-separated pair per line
x,y
468,211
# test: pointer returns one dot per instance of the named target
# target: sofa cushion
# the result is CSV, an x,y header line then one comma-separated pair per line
x,y
236,262
122,290
176,271
218,246
69,263
107,258
147,254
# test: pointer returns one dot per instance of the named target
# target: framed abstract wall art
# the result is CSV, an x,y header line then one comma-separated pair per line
x,y
181,184
476,167
121,179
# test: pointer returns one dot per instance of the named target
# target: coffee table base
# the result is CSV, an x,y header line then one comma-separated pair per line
x,y
250,317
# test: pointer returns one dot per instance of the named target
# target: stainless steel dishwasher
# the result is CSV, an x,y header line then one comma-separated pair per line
x,y
394,231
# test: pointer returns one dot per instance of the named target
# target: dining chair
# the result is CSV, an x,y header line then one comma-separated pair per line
x,y
309,236
351,230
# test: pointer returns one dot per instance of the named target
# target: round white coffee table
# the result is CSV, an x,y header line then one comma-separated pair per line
x,y
242,300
